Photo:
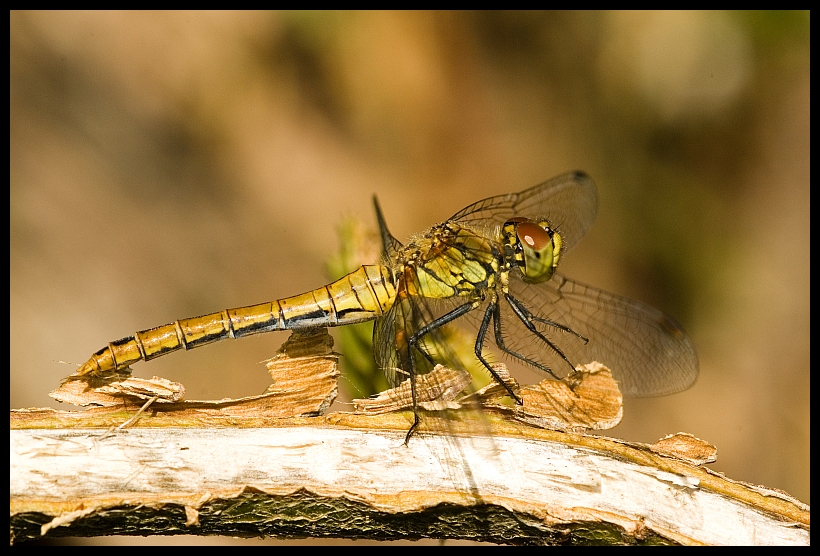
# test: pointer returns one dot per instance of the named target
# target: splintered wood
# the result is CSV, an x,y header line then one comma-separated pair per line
x,y
685,447
116,387
304,377
305,372
278,447
589,399
436,390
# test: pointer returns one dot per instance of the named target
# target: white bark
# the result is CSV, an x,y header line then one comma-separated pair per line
x,y
551,480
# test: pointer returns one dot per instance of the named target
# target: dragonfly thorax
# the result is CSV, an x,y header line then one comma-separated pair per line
x,y
449,261
532,247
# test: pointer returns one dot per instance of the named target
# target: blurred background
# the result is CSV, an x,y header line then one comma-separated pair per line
x,y
167,165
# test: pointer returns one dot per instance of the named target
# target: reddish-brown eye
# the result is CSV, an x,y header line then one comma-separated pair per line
x,y
533,235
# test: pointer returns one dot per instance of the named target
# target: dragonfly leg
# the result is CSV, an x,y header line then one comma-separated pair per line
x,y
499,341
426,355
527,318
415,424
513,301
479,344
413,343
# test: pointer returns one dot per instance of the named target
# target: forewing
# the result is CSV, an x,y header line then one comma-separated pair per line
x,y
647,351
391,247
569,202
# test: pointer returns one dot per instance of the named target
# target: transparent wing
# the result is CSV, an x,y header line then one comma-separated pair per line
x,y
405,317
647,351
569,202
390,357
391,247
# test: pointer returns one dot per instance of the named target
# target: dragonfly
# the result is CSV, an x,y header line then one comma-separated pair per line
x,y
492,264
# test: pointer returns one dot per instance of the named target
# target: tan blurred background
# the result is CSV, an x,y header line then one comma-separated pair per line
x,y
165,165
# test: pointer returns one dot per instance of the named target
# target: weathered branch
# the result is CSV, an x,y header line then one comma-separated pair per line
x,y
353,476
218,470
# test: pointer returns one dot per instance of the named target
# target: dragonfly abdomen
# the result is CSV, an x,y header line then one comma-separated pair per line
x,y
360,296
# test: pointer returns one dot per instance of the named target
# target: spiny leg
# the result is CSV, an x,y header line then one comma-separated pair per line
x,y
415,424
527,318
499,341
492,308
413,344
426,355
529,315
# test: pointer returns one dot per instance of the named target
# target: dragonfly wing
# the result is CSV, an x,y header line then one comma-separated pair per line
x,y
445,344
391,247
648,352
569,202
386,348
442,345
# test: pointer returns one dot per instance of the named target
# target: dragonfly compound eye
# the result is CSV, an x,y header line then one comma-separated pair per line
x,y
540,249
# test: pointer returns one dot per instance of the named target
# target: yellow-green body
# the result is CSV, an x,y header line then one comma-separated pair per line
x,y
496,258
449,261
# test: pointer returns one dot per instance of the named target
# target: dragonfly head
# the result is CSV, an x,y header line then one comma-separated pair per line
x,y
533,247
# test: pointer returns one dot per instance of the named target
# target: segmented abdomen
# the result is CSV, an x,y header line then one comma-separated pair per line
x,y
360,296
